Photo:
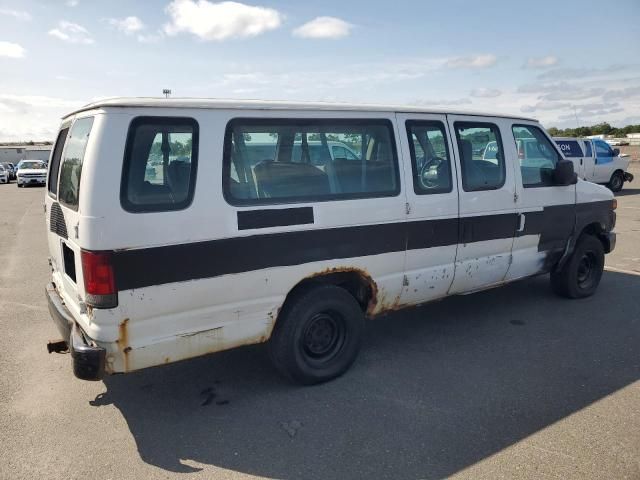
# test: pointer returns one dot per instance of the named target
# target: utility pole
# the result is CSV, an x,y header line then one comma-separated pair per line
x,y
575,112
166,92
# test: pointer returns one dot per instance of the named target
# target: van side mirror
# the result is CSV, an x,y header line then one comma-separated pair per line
x,y
564,174
616,152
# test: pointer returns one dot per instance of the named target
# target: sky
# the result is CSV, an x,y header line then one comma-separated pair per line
x,y
563,62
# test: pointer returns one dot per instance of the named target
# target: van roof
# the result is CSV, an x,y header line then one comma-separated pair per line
x,y
213,103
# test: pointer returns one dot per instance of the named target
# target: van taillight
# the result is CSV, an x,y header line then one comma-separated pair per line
x,y
99,279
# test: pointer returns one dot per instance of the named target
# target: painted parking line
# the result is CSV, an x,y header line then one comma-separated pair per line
x,y
621,270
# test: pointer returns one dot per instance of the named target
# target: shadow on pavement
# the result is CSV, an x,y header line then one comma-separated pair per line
x,y
435,389
628,191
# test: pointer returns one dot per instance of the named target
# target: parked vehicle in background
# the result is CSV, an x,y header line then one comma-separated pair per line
x,y
595,161
10,168
248,236
31,172
617,142
4,175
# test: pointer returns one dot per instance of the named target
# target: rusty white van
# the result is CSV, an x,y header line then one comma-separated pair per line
x,y
183,227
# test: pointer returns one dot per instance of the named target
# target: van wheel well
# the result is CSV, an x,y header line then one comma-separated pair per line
x,y
360,285
596,230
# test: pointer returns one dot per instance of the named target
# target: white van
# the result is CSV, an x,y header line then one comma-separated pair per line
x,y
168,241
595,161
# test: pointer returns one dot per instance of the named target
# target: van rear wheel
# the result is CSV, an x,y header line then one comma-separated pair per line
x,y
317,335
581,275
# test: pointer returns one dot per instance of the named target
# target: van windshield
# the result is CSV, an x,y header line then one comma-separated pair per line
x,y
32,165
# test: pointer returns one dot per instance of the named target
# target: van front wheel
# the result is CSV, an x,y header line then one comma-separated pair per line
x,y
581,275
318,335
617,181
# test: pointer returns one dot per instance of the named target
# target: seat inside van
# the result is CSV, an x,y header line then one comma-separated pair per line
x,y
289,179
478,174
362,175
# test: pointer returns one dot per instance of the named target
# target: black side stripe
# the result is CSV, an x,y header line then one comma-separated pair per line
x,y
281,217
175,263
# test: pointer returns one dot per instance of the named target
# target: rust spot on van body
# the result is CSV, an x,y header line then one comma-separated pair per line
x,y
377,303
123,342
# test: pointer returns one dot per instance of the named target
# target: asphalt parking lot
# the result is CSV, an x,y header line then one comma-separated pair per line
x,y
508,383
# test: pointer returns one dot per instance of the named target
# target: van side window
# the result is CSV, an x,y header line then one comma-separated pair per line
x,y
603,149
536,154
429,157
481,156
160,164
570,148
587,149
71,169
54,168
270,161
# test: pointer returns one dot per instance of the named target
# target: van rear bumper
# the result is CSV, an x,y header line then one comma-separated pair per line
x,y
88,360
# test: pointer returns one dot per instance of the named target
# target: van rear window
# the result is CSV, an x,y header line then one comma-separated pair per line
x,y
270,161
54,168
160,163
71,170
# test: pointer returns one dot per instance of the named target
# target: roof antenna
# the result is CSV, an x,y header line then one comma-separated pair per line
x,y
166,92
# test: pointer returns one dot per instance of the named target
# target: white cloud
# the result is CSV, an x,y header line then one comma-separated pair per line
x,y
127,25
11,50
71,33
485,92
71,3
18,14
542,62
324,27
32,117
220,21
472,61
149,37
545,105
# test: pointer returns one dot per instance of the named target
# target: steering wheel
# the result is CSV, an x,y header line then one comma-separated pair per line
x,y
427,180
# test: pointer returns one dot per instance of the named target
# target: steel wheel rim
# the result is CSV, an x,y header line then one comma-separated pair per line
x,y
616,182
586,269
323,336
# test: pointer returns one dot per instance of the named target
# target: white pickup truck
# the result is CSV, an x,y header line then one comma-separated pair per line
x,y
595,161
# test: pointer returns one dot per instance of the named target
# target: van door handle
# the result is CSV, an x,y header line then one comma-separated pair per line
x,y
521,219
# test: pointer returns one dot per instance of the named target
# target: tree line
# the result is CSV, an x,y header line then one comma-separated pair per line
x,y
598,129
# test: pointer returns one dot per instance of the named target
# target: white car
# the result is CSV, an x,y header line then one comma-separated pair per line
x,y
4,175
595,161
31,172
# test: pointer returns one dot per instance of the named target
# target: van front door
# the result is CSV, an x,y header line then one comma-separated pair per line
x,y
604,162
432,213
589,160
487,209
546,212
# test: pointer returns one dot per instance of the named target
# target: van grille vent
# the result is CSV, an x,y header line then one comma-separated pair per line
x,y
57,224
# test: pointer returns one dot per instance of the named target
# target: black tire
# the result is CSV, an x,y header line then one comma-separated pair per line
x,y
317,335
581,274
617,181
